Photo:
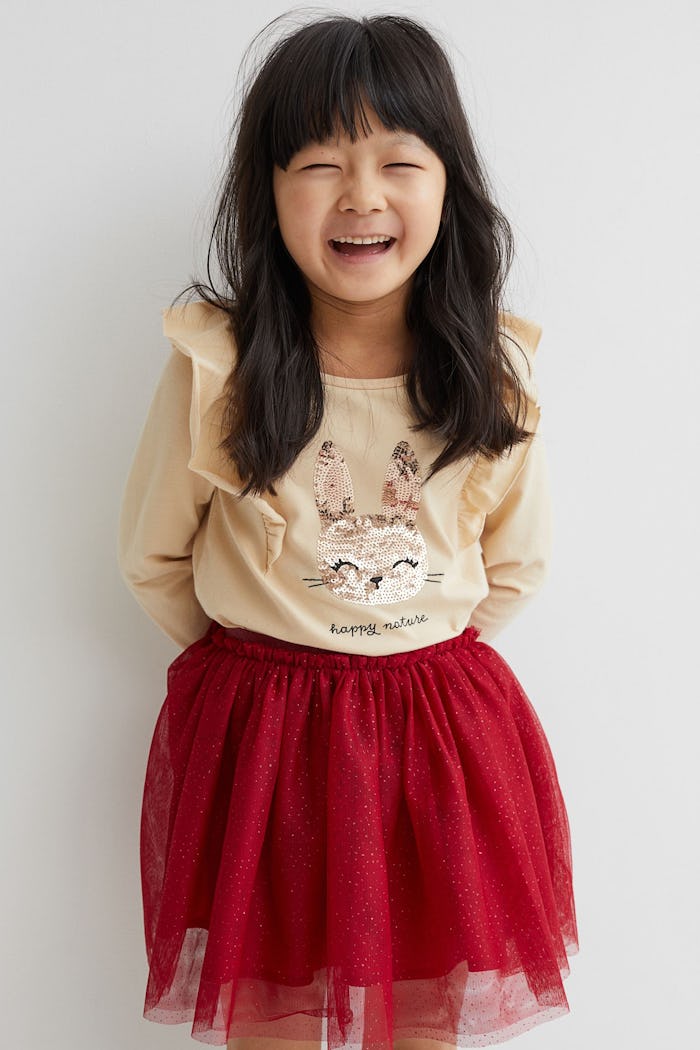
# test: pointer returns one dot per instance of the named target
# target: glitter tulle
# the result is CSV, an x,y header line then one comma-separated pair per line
x,y
353,849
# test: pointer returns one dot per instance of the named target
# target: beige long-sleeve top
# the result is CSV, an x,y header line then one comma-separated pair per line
x,y
356,552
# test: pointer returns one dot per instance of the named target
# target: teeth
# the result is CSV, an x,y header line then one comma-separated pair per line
x,y
361,240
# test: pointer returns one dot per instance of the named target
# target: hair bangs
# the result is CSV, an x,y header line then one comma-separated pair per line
x,y
330,84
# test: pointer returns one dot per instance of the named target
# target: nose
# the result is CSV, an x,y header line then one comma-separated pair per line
x,y
362,192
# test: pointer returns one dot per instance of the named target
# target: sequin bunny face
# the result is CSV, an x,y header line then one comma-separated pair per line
x,y
371,559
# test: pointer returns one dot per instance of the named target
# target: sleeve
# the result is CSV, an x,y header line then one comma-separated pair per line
x,y
163,505
516,544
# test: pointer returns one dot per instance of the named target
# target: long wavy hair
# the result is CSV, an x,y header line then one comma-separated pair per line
x,y
461,385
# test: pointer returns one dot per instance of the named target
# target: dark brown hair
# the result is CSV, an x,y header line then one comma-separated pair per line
x,y
461,384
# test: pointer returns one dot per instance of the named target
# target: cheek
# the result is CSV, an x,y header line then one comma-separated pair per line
x,y
299,220
420,236
427,215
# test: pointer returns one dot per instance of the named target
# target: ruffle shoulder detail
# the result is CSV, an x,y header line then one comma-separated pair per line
x,y
203,333
489,481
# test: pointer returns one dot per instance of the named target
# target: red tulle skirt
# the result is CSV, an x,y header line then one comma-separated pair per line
x,y
353,849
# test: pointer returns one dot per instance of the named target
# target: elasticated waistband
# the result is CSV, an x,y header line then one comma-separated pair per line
x,y
254,646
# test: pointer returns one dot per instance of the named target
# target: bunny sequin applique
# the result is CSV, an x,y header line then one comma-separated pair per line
x,y
371,559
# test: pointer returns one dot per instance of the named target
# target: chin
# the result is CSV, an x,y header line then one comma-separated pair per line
x,y
374,282
372,294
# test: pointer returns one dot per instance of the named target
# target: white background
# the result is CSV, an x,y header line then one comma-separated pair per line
x,y
114,119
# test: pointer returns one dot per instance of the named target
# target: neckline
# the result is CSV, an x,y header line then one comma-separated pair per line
x,y
361,383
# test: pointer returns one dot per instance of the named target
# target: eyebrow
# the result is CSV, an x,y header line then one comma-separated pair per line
x,y
393,139
407,140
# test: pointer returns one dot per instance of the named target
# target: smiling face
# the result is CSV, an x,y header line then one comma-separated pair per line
x,y
385,183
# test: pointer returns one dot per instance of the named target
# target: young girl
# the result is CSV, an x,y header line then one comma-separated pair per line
x,y
352,827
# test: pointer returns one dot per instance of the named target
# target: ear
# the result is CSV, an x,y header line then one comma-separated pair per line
x,y
402,484
333,490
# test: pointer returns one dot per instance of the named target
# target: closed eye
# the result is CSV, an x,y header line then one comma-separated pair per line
x,y
308,167
339,564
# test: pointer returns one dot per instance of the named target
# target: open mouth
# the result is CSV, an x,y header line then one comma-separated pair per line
x,y
362,251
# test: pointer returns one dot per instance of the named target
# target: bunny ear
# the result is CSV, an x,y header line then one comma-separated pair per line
x,y
402,483
333,490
